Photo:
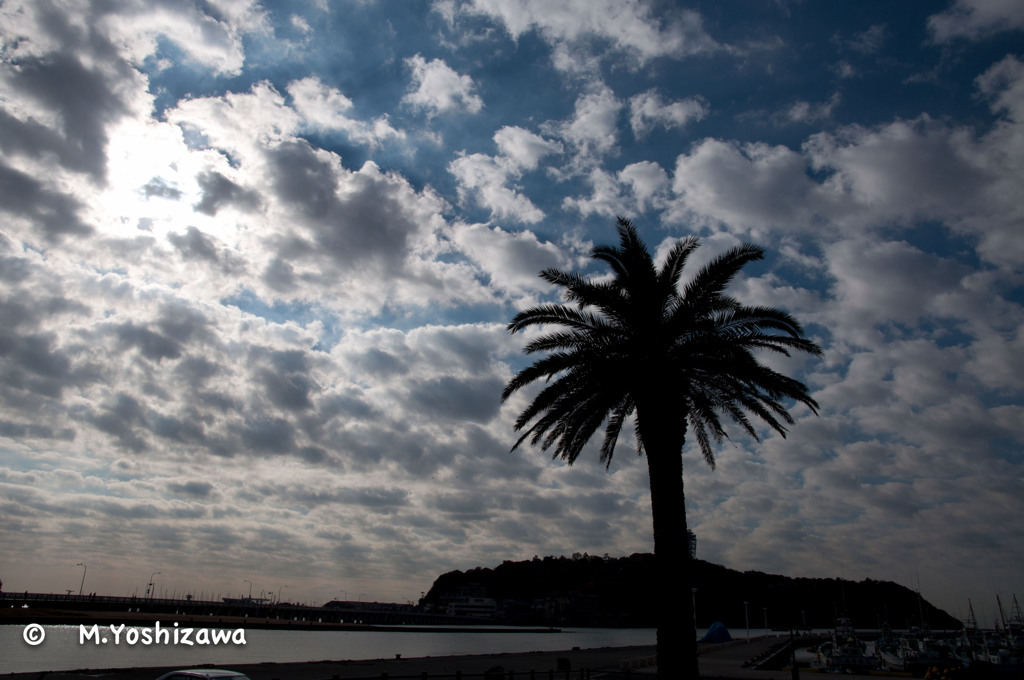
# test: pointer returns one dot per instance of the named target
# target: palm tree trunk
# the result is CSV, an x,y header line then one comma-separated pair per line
x,y
677,637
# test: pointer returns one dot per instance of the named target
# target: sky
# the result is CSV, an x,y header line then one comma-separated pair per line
x,y
257,260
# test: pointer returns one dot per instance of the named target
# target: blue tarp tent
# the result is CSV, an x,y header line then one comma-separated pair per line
x,y
717,633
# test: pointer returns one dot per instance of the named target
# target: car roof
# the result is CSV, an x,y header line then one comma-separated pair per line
x,y
204,673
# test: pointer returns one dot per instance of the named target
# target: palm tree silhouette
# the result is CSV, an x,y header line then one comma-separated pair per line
x,y
677,358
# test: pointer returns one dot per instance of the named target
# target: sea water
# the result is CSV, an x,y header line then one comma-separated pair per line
x,y
74,647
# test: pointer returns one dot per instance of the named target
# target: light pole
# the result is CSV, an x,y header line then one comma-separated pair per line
x,y
746,616
766,621
694,594
85,570
279,593
245,580
152,590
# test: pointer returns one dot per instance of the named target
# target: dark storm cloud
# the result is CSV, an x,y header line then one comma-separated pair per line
x,y
219,191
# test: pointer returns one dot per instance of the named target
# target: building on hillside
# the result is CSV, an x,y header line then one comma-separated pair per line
x,y
482,607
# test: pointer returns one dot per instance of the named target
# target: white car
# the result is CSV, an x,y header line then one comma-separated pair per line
x,y
203,674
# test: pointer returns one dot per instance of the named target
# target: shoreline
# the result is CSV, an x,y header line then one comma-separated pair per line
x,y
65,617
636,657
724,661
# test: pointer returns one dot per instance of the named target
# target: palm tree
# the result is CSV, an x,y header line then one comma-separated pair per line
x,y
678,359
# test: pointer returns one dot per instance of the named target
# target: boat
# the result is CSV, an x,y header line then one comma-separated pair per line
x,y
1000,650
845,653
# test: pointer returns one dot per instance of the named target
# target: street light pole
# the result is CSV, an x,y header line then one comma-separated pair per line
x,y
694,594
279,593
152,590
245,580
746,616
85,570
766,621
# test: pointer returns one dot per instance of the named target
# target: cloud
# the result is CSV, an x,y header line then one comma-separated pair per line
x,y
325,109
811,112
869,41
319,223
592,131
33,207
512,260
218,190
629,26
648,110
605,199
241,305
648,182
436,88
862,177
487,178
976,19
524,149
752,185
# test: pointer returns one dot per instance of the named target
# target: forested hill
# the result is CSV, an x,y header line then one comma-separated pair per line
x,y
585,590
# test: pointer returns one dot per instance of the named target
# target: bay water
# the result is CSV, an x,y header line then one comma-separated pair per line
x,y
69,648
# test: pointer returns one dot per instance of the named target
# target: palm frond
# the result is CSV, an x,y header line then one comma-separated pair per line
x,y
618,341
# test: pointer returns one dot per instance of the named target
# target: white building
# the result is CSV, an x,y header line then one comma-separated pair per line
x,y
483,607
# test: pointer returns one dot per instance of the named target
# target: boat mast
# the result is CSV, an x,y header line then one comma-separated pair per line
x,y
971,623
1016,622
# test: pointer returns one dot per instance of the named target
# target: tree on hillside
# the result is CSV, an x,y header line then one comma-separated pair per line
x,y
676,359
